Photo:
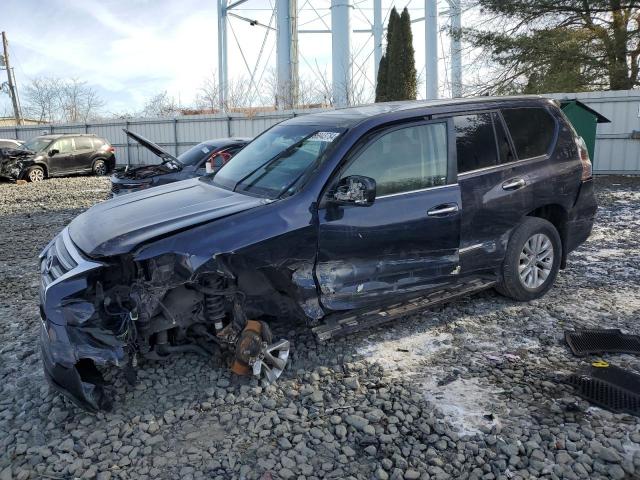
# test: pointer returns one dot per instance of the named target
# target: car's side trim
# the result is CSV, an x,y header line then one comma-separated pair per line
x,y
417,191
472,173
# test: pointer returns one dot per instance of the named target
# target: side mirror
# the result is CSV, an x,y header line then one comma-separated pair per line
x,y
355,190
53,152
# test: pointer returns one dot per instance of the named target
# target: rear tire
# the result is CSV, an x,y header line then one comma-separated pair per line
x,y
532,260
100,168
35,174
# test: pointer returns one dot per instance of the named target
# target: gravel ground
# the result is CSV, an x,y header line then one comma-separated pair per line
x,y
468,390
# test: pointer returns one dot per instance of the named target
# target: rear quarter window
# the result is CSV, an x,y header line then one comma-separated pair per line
x,y
532,130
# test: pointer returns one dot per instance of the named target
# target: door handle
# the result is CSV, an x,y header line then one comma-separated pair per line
x,y
514,184
443,210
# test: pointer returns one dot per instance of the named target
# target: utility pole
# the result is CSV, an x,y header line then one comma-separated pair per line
x,y
12,86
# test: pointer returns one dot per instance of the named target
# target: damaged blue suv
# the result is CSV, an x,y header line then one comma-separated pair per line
x,y
344,220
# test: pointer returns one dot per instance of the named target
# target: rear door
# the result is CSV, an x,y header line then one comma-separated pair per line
x,y
498,187
62,161
82,153
407,240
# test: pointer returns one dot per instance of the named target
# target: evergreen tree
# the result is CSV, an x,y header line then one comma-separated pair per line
x,y
408,75
397,79
381,82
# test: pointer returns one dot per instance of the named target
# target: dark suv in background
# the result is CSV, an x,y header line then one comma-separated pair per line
x,y
189,164
344,219
64,154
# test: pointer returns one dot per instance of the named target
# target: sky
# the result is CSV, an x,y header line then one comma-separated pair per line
x,y
129,50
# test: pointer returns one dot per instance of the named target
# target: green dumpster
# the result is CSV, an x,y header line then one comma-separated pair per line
x,y
585,120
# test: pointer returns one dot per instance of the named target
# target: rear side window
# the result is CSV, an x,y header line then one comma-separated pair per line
x,y
98,143
475,142
406,159
83,143
532,130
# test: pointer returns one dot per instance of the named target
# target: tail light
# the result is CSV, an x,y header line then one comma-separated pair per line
x,y
587,169
109,148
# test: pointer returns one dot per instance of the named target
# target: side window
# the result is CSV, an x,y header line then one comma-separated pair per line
x,y
405,159
63,145
83,143
475,142
532,130
98,143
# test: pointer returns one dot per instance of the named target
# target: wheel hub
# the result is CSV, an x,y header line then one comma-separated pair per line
x,y
536,261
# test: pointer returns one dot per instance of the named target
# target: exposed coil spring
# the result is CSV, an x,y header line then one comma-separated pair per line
x,y
214,304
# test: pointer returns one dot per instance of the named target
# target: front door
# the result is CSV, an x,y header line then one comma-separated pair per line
x,y
62,160
407,240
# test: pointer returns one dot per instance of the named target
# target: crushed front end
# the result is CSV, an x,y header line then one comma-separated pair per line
x,y
14,162
121,311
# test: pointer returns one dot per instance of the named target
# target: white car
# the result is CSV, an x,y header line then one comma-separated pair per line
x,y
10,143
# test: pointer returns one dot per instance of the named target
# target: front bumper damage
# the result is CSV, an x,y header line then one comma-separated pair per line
x,y
69,349
14,162
90,321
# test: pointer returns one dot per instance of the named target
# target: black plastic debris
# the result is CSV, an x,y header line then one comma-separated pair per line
x,y
584,342
612,388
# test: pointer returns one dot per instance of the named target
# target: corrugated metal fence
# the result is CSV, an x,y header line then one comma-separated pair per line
x,y
616,149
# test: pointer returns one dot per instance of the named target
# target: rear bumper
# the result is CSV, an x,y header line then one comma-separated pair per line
x,y
581,217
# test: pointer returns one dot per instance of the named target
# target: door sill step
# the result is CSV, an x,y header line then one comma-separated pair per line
x,y
339,325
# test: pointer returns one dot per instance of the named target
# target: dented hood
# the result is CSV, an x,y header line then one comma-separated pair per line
x,y
118,225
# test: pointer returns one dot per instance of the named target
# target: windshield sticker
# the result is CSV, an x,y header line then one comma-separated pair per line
x,y
324,136
205,150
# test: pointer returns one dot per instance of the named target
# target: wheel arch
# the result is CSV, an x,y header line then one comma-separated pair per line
x,y
42,165
558,216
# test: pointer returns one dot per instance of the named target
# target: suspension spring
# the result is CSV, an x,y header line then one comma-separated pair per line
x,y
214,303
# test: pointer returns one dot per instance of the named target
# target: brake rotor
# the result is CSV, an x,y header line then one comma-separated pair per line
x,y
255,353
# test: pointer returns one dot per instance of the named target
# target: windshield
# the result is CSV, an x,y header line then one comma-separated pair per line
x,y
273,163
196,154
36,144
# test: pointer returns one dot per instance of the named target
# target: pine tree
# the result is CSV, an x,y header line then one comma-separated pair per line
x,y
397,78
408,75
381,82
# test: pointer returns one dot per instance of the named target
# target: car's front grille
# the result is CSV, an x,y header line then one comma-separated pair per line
x,y
57,260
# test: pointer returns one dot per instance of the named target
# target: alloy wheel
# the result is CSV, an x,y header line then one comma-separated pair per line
x,y
36,175
100,169
536,261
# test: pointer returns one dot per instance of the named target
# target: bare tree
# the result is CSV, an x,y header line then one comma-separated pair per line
x,y
54,99
208,96
238,93
78,101
42,98
160,105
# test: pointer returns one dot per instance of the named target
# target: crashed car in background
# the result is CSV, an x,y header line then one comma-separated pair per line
x,y
343,220
10,143
14,163
57,155
206,157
